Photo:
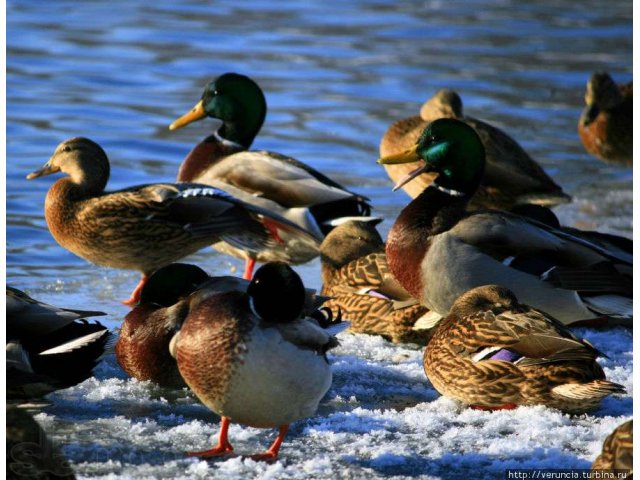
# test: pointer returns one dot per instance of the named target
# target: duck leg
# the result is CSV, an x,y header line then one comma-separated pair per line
x,y
223,443
250,263
135,295
271,454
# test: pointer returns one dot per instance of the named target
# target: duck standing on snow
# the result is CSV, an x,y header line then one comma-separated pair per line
x,y
170,293
356,276
438,250
270,180
147,226
270,366
49,348
493,352
512,177
606,123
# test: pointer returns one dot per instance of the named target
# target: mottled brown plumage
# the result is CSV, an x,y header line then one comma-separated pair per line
x,y
539,361
148,226
606,124
355,273
512,177
617,450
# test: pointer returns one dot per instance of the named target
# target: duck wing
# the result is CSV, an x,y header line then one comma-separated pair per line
x,y
531,335
26,315
279,178
369,273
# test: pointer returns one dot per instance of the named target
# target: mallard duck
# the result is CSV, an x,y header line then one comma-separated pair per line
x,y
49,348
356,276
270,366
147,226
267,179
512,177
606,123
494,353
617,450
170,293
438,250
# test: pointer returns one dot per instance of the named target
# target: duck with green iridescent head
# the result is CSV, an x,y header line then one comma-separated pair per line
x,y
438,250
270,180
511,177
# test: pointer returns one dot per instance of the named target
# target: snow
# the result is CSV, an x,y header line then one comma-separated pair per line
x,y
380,419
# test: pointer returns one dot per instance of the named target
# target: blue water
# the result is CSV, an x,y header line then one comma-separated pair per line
x,y
335,75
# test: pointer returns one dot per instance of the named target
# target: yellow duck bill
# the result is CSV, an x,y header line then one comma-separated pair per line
x,y
408,156
196,113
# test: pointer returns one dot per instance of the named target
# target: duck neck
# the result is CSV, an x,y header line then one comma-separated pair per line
x,y
206,154
434,211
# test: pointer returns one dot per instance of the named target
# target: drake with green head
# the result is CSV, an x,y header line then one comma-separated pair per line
x,y
438,250
270,180
270,367
511,178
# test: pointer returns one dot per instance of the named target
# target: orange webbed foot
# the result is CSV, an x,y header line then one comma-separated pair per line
x,y
216,451
267,456
223,447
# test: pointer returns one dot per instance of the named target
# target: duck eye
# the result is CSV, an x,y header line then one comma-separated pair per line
x,y
66,148
432,138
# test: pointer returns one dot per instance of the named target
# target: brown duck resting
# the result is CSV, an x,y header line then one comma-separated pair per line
x,y
512,177
494,353
617,450
148,226
606,123
356,275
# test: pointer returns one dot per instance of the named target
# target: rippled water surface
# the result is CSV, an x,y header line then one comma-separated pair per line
x,y
335,75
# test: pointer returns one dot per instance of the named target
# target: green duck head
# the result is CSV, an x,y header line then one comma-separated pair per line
x,y
167,285
236,100
449,147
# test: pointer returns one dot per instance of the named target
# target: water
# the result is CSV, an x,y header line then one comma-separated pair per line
x,y
335,74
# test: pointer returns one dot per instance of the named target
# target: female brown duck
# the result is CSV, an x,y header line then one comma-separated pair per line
x,y
606,123
493,352
147,226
